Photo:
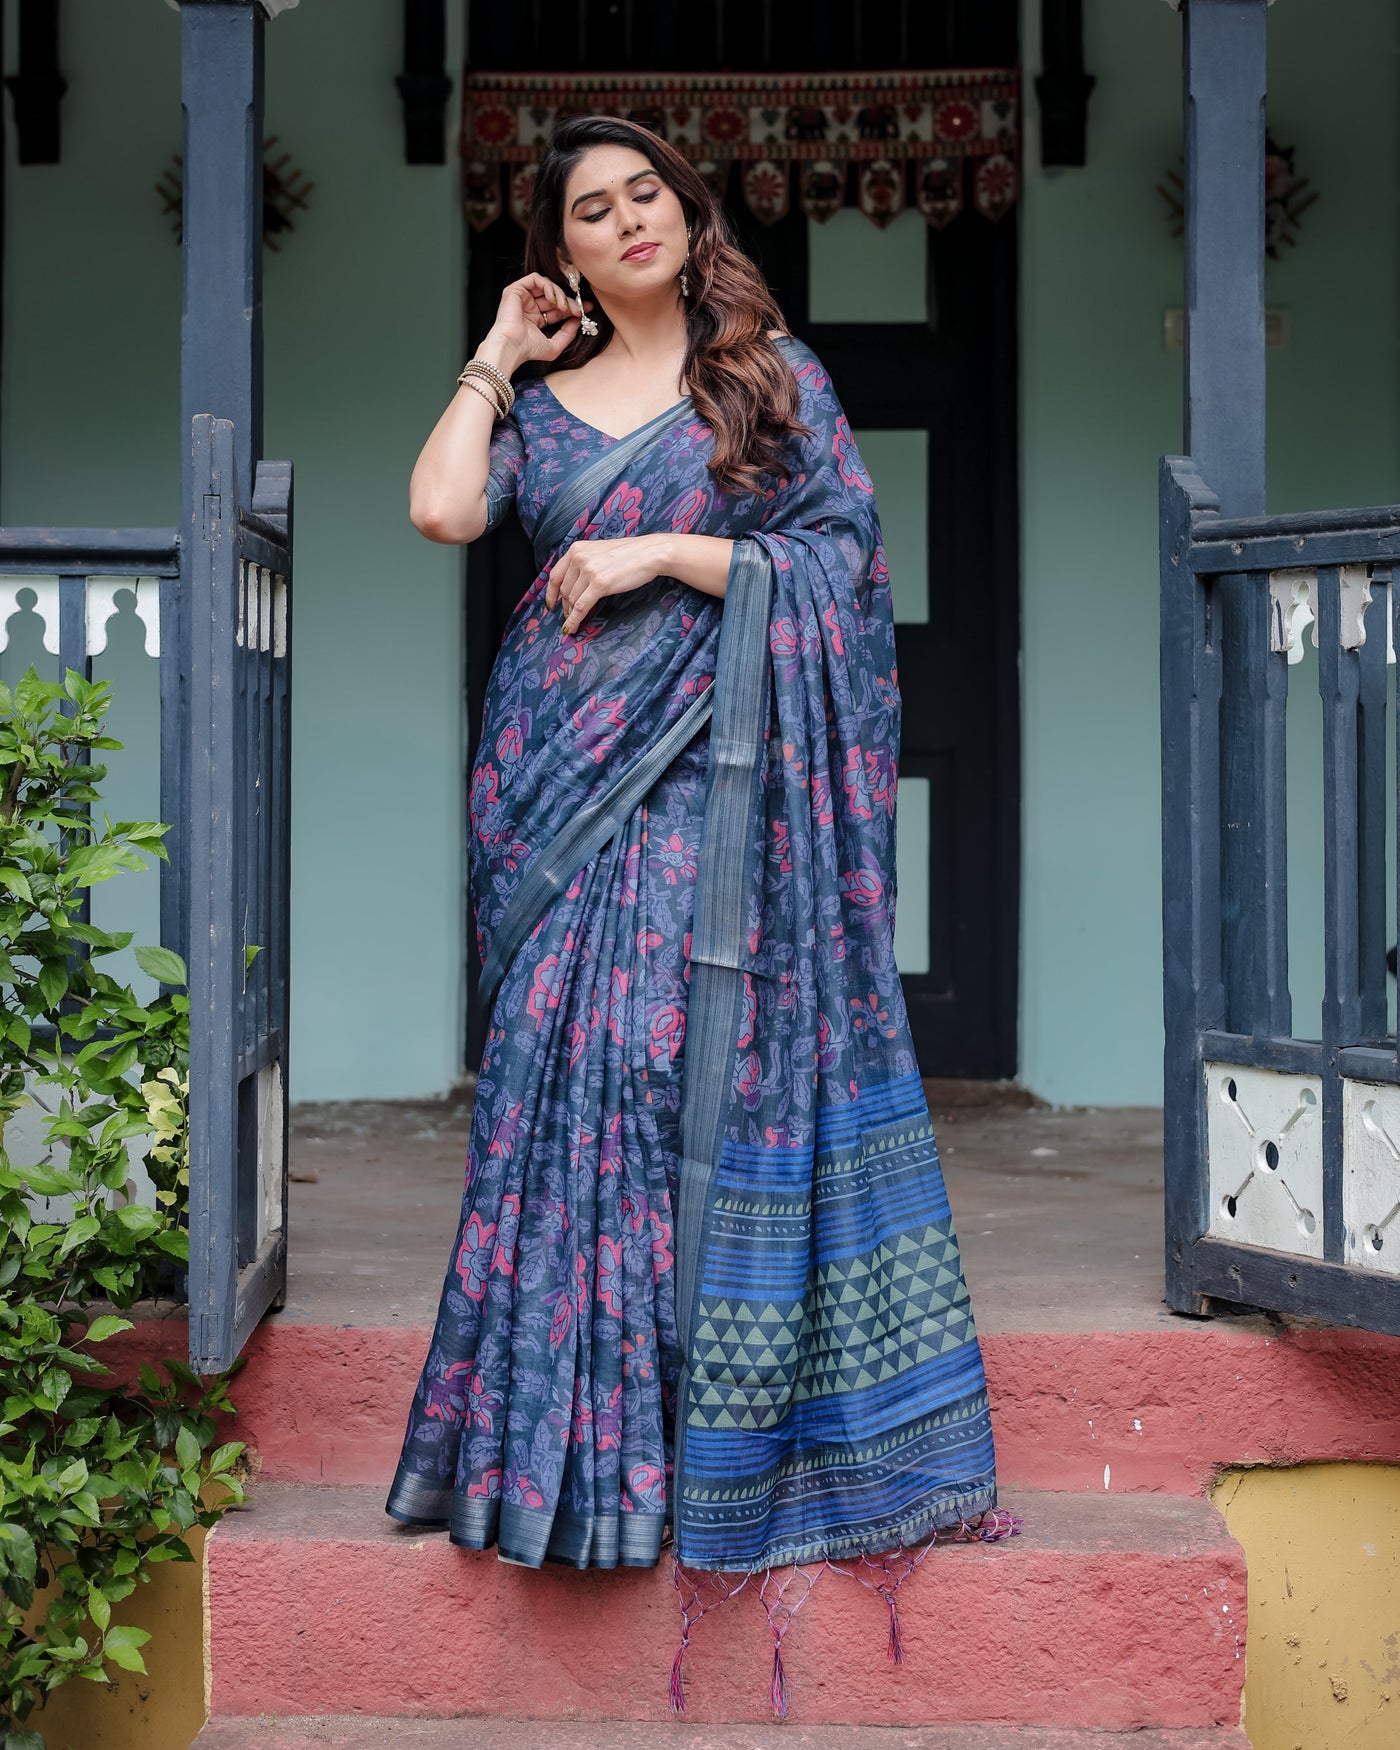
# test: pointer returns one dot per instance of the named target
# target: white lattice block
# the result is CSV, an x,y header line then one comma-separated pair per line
x,y
269,1109
1264,1143
1371,1175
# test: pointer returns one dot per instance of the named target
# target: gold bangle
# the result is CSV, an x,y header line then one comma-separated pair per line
x,y
486,394
488,373
484,367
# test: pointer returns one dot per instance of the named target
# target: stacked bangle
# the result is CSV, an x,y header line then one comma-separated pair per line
x,y
489,382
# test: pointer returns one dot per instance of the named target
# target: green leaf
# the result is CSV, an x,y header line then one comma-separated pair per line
x,y
106,1326
98,1607
119,1645
186,1449
138,1219
17,883
80,1230
163,964
53,981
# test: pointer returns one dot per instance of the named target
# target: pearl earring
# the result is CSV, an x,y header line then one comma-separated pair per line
x,y
685,286
586,323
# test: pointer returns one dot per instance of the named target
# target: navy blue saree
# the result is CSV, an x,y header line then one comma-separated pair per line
x,y
705,1284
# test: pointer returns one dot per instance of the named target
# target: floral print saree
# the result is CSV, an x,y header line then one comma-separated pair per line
x,y
705,1284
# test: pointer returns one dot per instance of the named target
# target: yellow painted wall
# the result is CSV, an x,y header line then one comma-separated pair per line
x,y
1323,1648
163,1711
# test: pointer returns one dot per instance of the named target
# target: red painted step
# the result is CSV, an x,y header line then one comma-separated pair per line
x,y
1107,1611
1158,1409
362,1732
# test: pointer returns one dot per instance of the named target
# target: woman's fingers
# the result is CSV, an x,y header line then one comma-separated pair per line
x,y
555,343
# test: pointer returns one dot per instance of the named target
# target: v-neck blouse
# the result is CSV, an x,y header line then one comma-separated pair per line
x,y
540,443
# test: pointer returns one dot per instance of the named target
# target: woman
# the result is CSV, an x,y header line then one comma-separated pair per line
x,y
705,1282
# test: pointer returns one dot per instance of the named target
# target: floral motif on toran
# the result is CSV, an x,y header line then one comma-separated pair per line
x,y
877,141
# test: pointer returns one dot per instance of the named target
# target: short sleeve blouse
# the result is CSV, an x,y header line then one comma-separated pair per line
x,y
506,470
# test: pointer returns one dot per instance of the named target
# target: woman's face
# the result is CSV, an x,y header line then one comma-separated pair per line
x,y
624,228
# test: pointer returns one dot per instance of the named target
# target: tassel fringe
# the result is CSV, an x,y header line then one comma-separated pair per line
x,y
777,1689
782,1597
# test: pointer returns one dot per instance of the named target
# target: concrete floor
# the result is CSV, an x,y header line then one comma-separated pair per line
x,y
1059,1212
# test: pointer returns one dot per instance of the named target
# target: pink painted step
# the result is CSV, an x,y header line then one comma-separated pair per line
x,y
362,1732
1113,1411
1107,1611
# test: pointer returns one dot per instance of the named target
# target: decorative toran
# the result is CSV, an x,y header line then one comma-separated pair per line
x,y
879,141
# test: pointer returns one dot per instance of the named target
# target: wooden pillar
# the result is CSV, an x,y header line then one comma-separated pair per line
x,y
1224,149
221,342
1223,135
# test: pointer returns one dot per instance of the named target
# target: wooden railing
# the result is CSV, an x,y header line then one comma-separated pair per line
x,y
221,625
1282,1153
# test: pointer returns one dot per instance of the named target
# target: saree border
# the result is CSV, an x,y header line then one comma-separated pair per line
x,y
719,940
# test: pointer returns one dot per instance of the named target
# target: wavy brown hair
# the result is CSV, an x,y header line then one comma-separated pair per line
x,y
738,382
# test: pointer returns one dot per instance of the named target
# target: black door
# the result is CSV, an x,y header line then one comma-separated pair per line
x,y
952,377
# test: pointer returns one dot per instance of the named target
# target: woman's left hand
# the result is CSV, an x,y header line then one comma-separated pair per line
x,y
591,570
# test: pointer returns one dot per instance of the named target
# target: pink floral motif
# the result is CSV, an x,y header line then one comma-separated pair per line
x,y
688,510
676,860
881,776
864,887
510,743
667,1032
517,1488
848,462
474,1256
831,619
598,723
661,1235
782,847
507,1228
749,1015
610,1275
545,988
624,501
853,780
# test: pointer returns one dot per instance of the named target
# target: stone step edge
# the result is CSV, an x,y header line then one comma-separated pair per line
x,y
373,1732
1106,1611
1111,1411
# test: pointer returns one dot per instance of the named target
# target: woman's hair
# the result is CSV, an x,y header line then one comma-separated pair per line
x,y
738,381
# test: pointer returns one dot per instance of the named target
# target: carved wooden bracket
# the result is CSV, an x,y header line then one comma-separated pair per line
x,y
424,85
37,89
1063,87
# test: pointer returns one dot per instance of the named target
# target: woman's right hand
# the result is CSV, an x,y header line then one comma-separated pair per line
x,y
518,334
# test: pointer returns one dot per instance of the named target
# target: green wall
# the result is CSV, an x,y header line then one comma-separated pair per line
x,y
363,328
1101,398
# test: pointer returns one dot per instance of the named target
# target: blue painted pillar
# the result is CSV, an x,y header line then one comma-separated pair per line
x,y
221,338
221,343
1223,135
1224,49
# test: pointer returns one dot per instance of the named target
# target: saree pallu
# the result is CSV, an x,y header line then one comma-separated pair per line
x,y
706,1278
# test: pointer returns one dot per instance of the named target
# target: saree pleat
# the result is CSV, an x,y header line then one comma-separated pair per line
x,y
706,1278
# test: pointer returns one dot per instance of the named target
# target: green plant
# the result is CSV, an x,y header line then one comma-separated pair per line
x,y
100,1478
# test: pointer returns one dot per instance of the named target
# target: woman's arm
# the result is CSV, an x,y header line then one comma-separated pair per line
x,y
591,570
702,561
447,489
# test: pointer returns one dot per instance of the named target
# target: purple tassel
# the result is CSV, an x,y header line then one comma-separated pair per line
x,y
778,1688
896,1646
678,1682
